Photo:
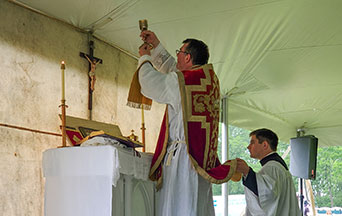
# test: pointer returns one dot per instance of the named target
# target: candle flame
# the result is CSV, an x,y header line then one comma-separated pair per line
x,y
62,65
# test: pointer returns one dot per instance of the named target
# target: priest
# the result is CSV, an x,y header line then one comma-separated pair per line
x,y
271,190
185,162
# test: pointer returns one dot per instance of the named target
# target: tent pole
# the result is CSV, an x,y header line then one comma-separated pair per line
x,y
224,147
311,196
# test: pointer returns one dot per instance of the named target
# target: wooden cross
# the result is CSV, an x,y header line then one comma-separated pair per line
x,y
93,61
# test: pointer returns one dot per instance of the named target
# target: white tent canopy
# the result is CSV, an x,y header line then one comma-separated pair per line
x,y
279,61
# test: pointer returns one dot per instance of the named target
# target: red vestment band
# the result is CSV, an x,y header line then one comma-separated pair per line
x,y
200,92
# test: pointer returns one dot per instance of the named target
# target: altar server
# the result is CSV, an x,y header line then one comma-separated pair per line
x,y
269,192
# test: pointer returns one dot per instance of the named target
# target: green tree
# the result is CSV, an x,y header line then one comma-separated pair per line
x,y
327,187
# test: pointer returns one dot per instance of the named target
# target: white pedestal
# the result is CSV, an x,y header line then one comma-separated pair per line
x,y
97,181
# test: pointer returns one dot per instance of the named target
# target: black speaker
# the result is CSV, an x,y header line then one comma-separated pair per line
x,y
303,157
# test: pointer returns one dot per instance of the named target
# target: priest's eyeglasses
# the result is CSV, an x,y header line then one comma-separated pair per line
x,y
180,51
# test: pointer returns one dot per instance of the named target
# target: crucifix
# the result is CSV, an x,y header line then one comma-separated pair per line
x,y
93,61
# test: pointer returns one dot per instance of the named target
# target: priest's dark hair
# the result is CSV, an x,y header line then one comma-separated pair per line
x,y
265,134
198,50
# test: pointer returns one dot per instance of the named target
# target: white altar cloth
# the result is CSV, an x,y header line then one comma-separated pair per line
x,y
79,179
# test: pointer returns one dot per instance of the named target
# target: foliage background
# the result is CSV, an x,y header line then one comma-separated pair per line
x,y
327,187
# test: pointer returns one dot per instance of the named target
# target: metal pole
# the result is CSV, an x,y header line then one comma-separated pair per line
x,y
301,196
301,132
224,147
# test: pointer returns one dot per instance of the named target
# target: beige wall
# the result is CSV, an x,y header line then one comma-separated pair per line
x,y
31,49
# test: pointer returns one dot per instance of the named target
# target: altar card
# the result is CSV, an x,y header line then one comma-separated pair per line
x,y
78,128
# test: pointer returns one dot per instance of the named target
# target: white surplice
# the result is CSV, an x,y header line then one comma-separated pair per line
x,y
277,195
184,191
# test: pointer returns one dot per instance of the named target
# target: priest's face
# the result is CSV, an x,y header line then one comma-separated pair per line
x,y
255,148
183,58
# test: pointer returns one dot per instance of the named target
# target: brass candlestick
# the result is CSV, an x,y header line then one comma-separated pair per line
x,y
143,26
63,106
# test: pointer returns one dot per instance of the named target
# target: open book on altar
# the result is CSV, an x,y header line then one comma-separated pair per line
x,y
79,130
123,140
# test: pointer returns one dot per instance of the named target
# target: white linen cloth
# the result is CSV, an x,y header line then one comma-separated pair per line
x,y
79,179
183,192
277,195
139,167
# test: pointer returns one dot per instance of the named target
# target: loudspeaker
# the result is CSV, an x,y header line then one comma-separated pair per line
x,y
303,157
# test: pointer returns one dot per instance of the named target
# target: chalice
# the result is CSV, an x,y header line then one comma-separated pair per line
x,y
144,26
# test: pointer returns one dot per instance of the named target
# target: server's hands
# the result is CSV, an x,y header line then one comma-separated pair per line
x,y
242,166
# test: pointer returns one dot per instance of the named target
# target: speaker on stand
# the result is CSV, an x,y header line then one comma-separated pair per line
x,y
303,160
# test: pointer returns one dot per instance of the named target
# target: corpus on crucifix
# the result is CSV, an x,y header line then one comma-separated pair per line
x,y
93,61
91,73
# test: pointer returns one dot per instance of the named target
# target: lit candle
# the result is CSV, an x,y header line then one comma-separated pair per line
x,y
63,80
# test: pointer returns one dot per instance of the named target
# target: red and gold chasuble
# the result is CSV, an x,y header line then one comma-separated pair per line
x,y
200,92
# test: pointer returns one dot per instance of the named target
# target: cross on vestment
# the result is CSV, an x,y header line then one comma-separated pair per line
x,y
93,61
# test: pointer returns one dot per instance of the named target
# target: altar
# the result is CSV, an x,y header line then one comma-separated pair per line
x,y
105,180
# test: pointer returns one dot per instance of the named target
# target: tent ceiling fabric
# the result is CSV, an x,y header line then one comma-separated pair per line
x,y
279,61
